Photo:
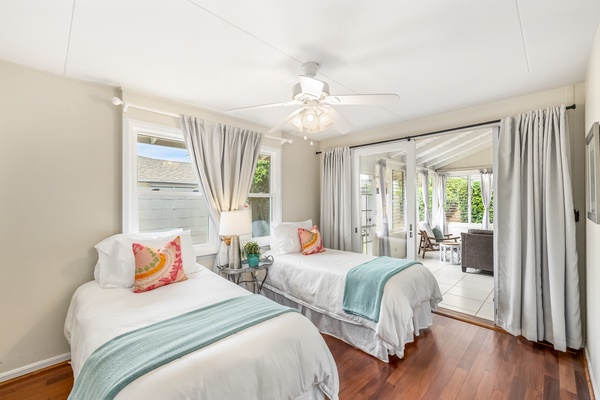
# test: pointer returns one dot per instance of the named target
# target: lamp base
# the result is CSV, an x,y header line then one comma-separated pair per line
x,y
235,260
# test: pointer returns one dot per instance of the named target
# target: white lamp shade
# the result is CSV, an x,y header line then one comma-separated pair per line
x,y
235,223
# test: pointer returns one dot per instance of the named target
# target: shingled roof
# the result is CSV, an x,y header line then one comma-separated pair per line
x,y
152,170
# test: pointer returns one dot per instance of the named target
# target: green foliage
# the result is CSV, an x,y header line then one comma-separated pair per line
x,y
262,181
457,201
251,248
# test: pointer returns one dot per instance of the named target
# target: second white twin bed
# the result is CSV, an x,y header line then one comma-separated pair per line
x,y
314,284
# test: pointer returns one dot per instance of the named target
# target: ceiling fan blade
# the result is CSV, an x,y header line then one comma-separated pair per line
x,y
363,99
287,103
286,120
340,123
311,86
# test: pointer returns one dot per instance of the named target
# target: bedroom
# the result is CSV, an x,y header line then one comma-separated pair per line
x,y
62,160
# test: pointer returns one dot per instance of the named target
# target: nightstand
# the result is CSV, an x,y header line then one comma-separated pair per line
x,y
241,275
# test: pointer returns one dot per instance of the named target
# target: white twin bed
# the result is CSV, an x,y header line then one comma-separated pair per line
x,y
315,285
284,357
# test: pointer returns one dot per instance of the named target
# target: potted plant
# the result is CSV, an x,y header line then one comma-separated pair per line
x,y
251,251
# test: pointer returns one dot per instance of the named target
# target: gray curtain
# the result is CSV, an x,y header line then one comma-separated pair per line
x,y
486,196
225,159
425,183
384,232
336,198
441,199
538,281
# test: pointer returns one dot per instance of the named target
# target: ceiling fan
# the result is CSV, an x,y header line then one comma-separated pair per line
x,y
317,112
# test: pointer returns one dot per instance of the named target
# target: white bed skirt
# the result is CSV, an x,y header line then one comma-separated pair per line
x,y
352,332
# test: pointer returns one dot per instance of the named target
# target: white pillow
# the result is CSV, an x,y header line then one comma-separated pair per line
x,y
116,263
285,237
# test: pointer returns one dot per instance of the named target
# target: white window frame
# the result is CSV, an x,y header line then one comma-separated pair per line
x,y
131,130
468,174
274,152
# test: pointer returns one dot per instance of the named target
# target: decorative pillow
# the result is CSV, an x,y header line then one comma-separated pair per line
x,y
285,237
425,226
437,234
116,264
156,268
311,240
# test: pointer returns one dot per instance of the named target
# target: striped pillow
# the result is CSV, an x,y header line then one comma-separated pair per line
x,y
310,240
156,268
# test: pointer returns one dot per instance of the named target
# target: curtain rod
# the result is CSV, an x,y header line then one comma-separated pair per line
x,y
420,135
117,101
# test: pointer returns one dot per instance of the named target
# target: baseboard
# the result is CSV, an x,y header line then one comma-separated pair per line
x,y
594,384
27,369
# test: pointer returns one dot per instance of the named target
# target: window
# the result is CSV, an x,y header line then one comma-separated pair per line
x,y
161,190
398,199
420,202
463,200
160,187
264,199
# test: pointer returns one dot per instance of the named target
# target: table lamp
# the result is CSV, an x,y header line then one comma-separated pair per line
x,y
232,224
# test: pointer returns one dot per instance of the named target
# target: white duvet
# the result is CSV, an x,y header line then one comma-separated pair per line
x,y
317,281
282,358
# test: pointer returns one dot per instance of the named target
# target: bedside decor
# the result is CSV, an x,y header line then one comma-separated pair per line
x,y
251,251
232,224
592,141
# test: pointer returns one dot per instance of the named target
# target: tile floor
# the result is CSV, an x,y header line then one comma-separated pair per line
x,y
470,292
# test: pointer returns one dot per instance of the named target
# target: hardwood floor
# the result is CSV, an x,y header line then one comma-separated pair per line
x,y
451,360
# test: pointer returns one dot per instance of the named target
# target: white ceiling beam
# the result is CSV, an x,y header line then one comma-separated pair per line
x,y
453,146
468,151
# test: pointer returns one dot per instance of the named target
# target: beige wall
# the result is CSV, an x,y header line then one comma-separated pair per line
x,y
61,194
301,183
60,178
592,114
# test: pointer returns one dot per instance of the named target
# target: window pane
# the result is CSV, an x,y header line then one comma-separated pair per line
x,y
260,210
476,200
398,199
162,212
168,189
262,176
457,199
164,164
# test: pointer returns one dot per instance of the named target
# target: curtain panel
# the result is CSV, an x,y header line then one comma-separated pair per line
x,y
486,196
425,184
224,159
441,200
538,281
384,231
336,199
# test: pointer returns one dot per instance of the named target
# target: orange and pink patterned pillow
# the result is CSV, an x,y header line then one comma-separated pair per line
x,y
156,268
310,240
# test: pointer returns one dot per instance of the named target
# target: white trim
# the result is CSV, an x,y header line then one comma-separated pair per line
x,y
27,369
276,194
131,129
592,376
410,147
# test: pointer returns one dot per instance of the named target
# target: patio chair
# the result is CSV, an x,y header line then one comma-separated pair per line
x,y
430,243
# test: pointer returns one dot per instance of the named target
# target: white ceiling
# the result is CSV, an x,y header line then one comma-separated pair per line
x,y
437,56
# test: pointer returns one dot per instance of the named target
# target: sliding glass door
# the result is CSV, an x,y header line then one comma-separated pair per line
x,y
384,216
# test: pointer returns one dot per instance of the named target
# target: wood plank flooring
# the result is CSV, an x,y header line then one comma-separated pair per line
x,y
451,360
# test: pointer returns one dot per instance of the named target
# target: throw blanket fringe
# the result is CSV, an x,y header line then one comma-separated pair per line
x,y
127,357
364,285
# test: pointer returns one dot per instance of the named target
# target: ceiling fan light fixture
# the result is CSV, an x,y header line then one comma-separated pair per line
x,y
310,119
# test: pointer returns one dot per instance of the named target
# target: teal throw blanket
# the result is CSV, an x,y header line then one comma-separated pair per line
x,y
123,359
364,285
